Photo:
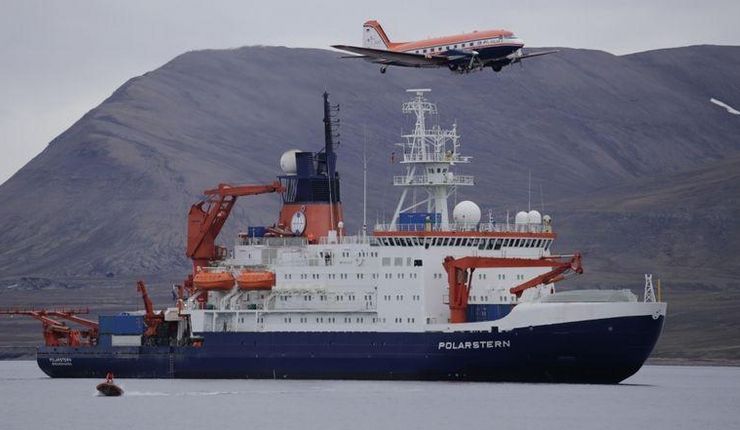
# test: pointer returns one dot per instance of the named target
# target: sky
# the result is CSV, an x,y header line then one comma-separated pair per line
x,y
59,59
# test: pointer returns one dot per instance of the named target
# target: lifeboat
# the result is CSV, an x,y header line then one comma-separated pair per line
x,y
255,280
220,281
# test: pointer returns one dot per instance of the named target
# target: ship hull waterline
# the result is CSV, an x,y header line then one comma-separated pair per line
x,y
597,351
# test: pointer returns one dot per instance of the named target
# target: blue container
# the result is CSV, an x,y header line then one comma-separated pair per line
x,y
256,231
121,324
419,218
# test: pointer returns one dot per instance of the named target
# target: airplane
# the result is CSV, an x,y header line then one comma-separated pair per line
x,y
462,53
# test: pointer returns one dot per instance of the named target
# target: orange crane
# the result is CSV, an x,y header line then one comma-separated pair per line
x,y
207,217
151,319
460,275
57,333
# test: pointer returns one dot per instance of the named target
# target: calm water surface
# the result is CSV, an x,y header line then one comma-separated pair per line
x,y
657,397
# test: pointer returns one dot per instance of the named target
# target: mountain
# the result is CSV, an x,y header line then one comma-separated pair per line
x,y
639,169
110,194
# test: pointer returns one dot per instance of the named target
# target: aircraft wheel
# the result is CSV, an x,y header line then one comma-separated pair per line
x,y
383,69
496,68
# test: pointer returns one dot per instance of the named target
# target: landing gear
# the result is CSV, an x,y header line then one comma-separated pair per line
x,y
496,68
383,69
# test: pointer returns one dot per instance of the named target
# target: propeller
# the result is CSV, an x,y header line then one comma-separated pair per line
x,y
473,58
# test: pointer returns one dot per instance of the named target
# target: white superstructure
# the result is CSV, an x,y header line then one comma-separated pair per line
x,y
394,279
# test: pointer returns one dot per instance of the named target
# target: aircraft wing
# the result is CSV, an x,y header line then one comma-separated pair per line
x,y
537,54
391,57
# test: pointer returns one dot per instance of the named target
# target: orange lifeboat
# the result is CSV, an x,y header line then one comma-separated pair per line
x,y
255,280
221,281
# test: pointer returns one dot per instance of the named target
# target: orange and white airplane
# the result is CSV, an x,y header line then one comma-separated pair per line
x,y
461,53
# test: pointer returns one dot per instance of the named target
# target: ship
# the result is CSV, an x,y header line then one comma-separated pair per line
x,y
433,293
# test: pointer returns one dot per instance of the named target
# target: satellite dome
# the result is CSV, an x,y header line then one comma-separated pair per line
x,y
288,163
521,218
466,212
547,219
534,217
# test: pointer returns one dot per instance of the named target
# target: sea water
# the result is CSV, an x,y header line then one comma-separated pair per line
x,y
657,397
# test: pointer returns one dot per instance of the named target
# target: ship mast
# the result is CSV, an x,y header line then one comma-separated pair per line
x,y
429,155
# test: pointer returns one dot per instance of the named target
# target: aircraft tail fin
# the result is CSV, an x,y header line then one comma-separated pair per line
x,y
373,36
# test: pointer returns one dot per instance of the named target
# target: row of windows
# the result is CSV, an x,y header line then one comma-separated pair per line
x,y
481,243
347,254
399,297
500,276
330,320
459,45
398,261
401,275
323,298
485,298
304,276
357,275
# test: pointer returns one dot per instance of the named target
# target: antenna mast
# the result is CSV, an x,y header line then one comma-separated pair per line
x,y
529,192
364,180
429,155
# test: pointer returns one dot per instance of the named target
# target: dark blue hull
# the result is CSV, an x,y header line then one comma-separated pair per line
x,y
598,351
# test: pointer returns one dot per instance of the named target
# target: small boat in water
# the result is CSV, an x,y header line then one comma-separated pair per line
x,y
109,388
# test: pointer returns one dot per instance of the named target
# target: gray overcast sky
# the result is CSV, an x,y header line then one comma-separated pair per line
x,y
59,59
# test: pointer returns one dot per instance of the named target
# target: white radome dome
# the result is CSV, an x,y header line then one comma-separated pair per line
x,y
466,212
288,163
534,217
521,218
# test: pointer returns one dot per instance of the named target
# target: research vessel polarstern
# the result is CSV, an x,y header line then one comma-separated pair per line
x,y
430,295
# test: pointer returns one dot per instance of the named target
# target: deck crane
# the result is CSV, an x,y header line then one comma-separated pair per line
x,y
207,217
152,319
57,333
460,276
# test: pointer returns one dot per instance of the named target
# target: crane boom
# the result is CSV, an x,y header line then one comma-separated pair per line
x,y
56,333
207,217
153,320
460,275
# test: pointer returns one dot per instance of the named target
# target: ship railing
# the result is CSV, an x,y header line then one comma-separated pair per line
x,y
347,240
435,158
465,227
442,179
272,241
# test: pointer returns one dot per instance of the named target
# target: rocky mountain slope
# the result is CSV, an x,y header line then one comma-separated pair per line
x,y
615,143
